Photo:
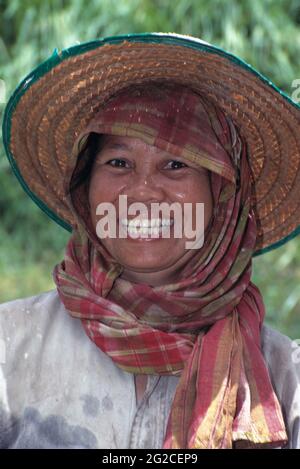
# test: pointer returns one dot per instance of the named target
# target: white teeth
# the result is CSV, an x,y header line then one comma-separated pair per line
x,y
155,222
144,231
146,228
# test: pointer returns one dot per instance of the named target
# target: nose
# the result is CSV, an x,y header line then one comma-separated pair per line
x,y
144,188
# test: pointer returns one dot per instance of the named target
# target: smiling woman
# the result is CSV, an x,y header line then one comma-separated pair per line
x,y
178,354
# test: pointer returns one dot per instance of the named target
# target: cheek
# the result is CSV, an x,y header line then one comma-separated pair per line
x,y
199,190
100,190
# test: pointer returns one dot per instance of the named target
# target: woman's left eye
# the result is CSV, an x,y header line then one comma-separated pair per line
x,y
179,164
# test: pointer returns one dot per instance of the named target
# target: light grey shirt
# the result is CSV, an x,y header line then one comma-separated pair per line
x,y
59,390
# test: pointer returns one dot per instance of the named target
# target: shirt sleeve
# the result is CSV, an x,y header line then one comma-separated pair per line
x,y
283,359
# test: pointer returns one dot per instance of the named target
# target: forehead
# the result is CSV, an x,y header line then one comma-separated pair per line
x,y
136,147
116,142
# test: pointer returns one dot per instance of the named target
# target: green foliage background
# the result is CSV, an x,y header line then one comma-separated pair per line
x,y
265,33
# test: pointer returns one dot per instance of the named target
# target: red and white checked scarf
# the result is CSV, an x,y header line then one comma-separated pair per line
x,y
204,328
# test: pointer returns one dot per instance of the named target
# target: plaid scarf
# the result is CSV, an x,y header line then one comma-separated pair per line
x,y
205,328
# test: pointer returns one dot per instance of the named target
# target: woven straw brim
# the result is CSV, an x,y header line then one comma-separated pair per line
x,y
49,110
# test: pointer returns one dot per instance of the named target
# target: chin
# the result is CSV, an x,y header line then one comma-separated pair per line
x,y
144,267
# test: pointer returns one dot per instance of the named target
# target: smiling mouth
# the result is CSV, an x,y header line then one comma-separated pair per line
x,y
147,223
145,228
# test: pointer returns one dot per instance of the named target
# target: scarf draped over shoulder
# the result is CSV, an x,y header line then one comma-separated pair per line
x,y
205,327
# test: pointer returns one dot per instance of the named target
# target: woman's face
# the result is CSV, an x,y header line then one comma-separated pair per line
x,y
144,173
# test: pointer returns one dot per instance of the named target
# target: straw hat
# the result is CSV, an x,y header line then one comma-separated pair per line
x,y
55,102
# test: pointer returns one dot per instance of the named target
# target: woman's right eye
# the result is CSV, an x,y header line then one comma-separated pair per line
x,y
116,165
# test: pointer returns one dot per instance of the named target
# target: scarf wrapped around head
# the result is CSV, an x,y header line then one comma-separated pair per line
x,y
205,327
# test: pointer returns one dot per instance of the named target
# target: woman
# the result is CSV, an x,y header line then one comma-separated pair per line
x,y
178,355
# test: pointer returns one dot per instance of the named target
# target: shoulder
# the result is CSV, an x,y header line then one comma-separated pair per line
x,y
280,352
30,304
40,330
31,326
282,356
27,317
23,310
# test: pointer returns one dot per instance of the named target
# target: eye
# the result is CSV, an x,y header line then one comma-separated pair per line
x,y
121,163
179,164
118,165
